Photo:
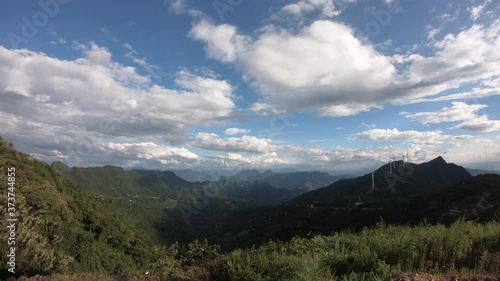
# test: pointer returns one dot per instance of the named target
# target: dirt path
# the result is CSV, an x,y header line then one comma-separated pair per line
x,y
480,202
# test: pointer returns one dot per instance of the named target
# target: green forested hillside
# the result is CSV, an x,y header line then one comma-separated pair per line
x,y
62,229
166,186
169,208
403,197
107,181
407,181
194,176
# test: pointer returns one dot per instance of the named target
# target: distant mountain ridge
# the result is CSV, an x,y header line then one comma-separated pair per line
x,y
194,176
111,181
341,204
280,178
476,172
407,181
299,180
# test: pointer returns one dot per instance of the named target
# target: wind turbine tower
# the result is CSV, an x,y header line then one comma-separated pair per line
x,y
485,159
373,180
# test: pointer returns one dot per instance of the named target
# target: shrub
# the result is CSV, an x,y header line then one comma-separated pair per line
x,y
371,254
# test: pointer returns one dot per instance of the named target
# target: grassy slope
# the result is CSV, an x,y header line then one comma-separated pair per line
x,y
464,248
371,254
61,228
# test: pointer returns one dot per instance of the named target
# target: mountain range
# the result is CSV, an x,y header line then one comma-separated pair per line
x,y
83,218
281,178
169,206
406,181
300,180
341,204
116,182
476,172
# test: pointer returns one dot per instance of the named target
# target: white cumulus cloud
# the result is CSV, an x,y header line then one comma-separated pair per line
x,y
236,131
410,136
326,68
459,111
223,41
302,7
95,97
243,144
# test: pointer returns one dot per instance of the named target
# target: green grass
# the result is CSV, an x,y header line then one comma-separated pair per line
x,y
61,229
372,254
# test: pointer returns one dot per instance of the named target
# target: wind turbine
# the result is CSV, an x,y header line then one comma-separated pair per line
x,y
486,159
373,180
393,161
390,165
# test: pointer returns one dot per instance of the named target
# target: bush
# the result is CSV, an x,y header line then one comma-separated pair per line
x,y
372,254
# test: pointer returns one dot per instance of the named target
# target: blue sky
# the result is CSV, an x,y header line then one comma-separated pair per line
x,y
331,85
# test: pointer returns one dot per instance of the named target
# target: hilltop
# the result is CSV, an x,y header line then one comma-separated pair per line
x,y
406,181
348,204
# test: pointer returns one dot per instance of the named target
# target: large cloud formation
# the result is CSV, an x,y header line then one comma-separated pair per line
x,y
326,68
48,102
459,111
92,90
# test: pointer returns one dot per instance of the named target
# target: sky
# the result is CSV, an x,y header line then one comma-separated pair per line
x,y
330,85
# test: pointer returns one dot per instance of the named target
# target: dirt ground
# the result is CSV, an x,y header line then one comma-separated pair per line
x,y
87,278
398,277
427,277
